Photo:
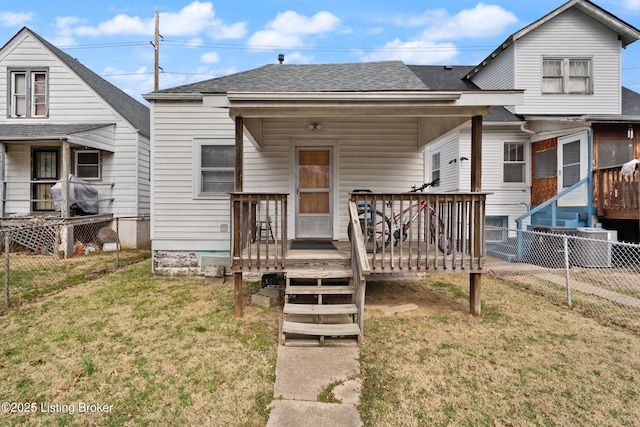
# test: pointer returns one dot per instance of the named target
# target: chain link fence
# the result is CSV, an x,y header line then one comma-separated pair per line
x,y
585,268
47,255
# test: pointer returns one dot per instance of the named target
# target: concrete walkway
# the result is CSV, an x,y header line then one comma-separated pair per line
x,y
303,374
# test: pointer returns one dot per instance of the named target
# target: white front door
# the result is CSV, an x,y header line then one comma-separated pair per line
x,y
314,217
572,167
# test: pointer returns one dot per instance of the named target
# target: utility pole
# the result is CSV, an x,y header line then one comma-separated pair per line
x,y
156,45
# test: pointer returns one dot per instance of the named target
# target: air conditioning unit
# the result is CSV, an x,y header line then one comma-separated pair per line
x,y
594,249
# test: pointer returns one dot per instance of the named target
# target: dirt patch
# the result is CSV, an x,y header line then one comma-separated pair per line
x,y
430,300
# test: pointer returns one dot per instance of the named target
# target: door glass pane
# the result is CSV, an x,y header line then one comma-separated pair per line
x,y
46,165
314,169
570,163
313,202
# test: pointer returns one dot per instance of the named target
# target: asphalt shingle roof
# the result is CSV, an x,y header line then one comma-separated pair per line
x,y
354,77
8,131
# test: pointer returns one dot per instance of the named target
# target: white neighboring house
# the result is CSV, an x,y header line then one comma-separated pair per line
x,y
61,118
574,119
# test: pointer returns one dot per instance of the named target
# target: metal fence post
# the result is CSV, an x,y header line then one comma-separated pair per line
x,y
117,243
6,268
565,240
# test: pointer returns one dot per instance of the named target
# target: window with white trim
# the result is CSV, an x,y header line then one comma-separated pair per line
x,y
513,163
495,228
88,164
214,166
28,96
435,168
567,76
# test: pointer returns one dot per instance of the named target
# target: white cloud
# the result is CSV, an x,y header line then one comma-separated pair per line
x,y
297,58
433,45
289,29
481,21
15,19
632,4
191,20
209,57
415,52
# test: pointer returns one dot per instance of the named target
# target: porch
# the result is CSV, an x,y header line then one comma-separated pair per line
x,y
616,196
389,233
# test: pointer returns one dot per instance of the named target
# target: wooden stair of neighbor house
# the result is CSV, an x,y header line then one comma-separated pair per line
x,y
320,308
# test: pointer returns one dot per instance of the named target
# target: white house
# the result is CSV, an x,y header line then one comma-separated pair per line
x,y
576,124
61,118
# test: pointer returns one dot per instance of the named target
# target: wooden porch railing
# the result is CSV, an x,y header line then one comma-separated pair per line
x,y
359,262
616,196
259,231
423,231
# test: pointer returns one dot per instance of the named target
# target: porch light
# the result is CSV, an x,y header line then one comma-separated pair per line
x,y
314,127
630,132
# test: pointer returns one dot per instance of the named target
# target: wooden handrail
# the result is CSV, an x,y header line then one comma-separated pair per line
x,y
617,196
448,234
359,262
259,236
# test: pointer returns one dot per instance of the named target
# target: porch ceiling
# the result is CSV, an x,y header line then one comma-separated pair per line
x,y
440,112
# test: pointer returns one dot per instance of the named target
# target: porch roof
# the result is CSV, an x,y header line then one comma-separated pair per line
x,y
78,133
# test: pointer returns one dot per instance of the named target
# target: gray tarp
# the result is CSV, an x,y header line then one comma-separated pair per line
x,y
83,197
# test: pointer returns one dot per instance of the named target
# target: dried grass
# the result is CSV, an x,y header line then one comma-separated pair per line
x,y
156,349
525,361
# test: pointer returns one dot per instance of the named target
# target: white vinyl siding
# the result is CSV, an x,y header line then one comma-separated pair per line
x,y
70,101
369,154
505,199
581,38
499,73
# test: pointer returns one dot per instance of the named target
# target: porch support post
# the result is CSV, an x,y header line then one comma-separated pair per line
x,y
3,185
237,275
66,170
475,279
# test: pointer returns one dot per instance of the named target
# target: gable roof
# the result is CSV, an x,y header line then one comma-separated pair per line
x,y
351,77
129,108
627,33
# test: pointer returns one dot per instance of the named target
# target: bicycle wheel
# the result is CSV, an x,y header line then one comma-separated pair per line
x,y
445,241
376,229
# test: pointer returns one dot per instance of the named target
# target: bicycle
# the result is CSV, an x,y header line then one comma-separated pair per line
x,y
376,226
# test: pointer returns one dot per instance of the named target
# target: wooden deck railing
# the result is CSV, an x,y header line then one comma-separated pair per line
x,y
359,262
616,196
446,231
259,231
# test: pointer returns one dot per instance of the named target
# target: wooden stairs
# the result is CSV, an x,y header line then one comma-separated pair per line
x,y
320,308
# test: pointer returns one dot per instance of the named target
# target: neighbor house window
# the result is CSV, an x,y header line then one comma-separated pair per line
x,y
214,169
567,75
496,228
435,168
545,164
87,164
614,152
514,165
28,93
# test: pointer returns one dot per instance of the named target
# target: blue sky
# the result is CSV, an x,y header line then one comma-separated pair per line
x,y
206,39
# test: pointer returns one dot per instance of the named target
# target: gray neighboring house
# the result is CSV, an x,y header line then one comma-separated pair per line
x,y
61,118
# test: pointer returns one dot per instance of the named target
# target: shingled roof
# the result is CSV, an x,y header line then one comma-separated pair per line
x,y
352,77
131,110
